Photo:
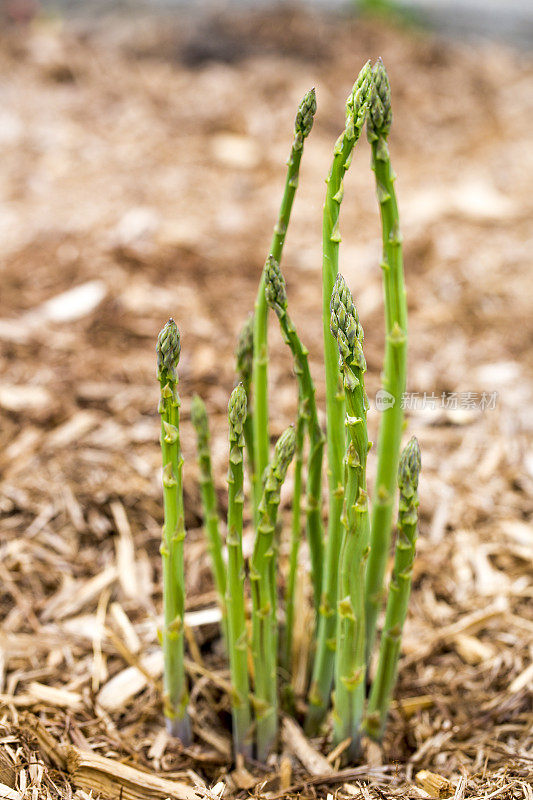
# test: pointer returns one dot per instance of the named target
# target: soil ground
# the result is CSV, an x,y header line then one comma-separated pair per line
x,y
142,163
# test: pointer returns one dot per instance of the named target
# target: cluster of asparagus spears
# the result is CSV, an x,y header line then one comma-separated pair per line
x,y
348,562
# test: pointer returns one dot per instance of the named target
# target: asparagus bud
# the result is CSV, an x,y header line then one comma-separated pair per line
x,y
347,329
237,412
200,422
379,112
304,119
244,352
168,351
275,292
399,591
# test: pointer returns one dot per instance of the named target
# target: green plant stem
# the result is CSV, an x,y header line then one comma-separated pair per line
x,y
296,530
264,623
175,698
277,299
302,128
399,591
237,634
322,678
244,365
395,366
350,661
200,422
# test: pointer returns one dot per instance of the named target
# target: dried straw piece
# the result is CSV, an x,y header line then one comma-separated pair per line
x,y
297,743
117,781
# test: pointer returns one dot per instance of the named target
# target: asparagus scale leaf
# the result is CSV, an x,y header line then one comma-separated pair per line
x,y
175,695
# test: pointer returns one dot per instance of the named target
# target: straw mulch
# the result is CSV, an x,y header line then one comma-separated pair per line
x,y
142,168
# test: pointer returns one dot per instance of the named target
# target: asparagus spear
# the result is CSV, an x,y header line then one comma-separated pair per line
x,y
400,588
350,661
356,109
237,638
174,680
264,602
200,422
302,128
395,367
276,296
244,363
296,529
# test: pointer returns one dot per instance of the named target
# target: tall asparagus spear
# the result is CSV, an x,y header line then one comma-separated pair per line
x,y
356,109
399,591
244,364
302,128
237,637
264,602
350,661
395,367
276,296
296,530
175,684
200,422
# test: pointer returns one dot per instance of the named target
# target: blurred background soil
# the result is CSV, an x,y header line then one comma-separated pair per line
x,y
141,172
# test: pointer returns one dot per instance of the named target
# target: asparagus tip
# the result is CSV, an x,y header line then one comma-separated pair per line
x,y
168,351
244,350
305,116
410,465
284,451
345,326
199,415
275,291
379,118
237,408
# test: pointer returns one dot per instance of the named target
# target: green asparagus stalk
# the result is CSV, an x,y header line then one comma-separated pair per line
x,y
399,591
350,661
175,684
302,128
356,109
296,529
200,422
395,366
264,602
276,296
237,635
244,364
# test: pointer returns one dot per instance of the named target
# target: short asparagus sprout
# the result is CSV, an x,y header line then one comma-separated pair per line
x,y
174,679
395,367
263,571
244,354
276,296
200,422
235,601
323,667
350,650
399,591
302,129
